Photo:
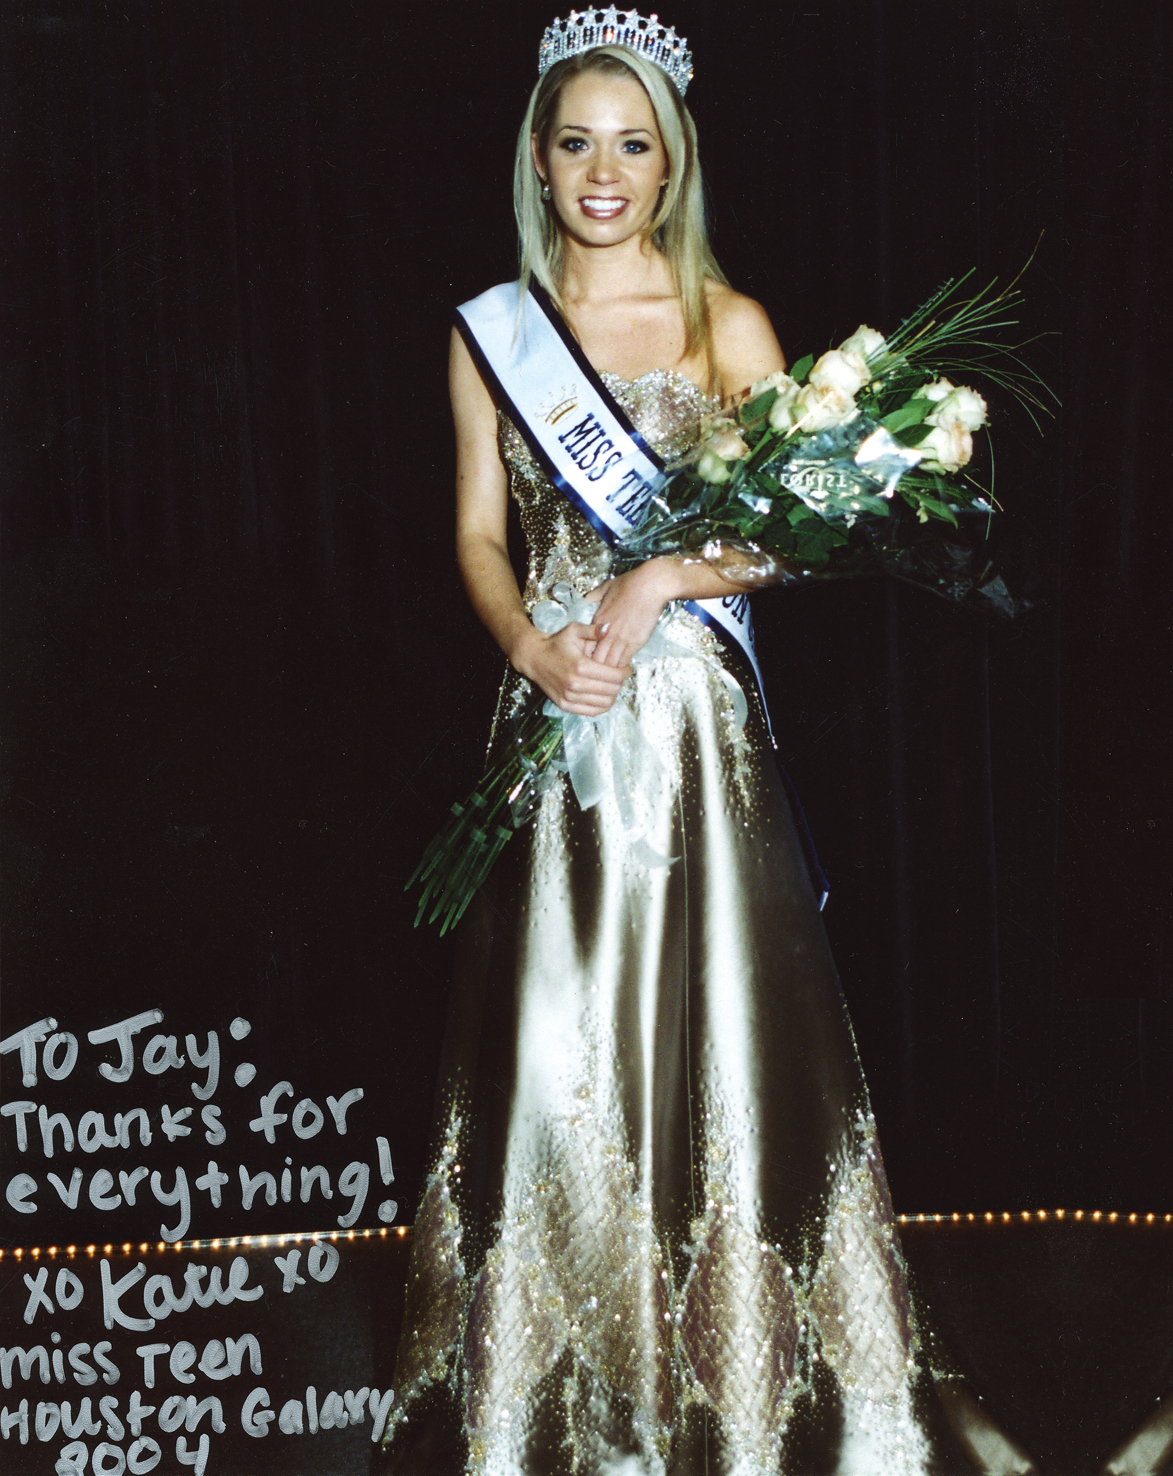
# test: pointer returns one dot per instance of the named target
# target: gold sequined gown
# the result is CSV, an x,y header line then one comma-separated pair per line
x,y
657,1238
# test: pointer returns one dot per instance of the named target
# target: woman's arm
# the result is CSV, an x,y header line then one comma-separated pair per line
x,y
745,349
631,604
562,665
744,342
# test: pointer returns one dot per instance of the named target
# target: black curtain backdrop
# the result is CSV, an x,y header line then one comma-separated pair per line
x,y
241,679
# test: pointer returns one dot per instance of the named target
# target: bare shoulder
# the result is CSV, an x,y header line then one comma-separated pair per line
x,y
744,341
736,316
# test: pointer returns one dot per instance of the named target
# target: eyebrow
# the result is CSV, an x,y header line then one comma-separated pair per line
x,y
582,128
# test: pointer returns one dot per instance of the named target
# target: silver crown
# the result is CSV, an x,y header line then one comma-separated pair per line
x,y
582,30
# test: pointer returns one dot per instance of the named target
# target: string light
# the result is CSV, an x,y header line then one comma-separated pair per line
x,y
1027,1217
233,1242
236,1242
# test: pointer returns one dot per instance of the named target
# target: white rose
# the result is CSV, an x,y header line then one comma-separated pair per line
x,y
865,342
946,448
779,380
726,442
940,389
963,406
787,409
822,408
711,468
843,371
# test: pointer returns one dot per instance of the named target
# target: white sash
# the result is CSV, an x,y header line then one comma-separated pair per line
x,y
589,449
575,428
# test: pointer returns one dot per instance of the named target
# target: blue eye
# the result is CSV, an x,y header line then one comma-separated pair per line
x,y
636,146
573,145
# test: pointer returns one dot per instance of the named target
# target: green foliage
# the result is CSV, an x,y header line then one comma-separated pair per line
x,y
911,413
757,409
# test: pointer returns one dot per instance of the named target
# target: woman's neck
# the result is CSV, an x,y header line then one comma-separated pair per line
x,y
605,274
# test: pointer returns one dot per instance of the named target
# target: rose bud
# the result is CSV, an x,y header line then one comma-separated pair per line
x,y
727,444
711,468
865,342
946,448
840,370
779,380
963,405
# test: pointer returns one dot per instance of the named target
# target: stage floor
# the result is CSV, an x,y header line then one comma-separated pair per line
x,y
1064,1327
1060,1328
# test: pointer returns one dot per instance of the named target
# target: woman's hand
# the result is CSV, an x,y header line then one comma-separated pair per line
x,y
566,669
630,607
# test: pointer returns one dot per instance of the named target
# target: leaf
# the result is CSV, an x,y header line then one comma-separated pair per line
x,y
864,502
757,409
803,368
910,413
813,553
913,436
936,509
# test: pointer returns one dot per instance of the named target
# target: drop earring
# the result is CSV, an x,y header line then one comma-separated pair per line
x,y
545,193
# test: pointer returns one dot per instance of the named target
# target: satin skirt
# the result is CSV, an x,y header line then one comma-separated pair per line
x,y
657,1237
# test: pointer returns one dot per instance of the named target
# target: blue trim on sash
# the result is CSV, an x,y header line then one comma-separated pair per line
x,y
608,535
590,373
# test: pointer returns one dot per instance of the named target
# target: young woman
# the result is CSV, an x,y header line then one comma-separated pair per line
x,y
658,1235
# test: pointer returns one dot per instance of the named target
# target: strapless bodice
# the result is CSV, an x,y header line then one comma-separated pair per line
x,y
665,407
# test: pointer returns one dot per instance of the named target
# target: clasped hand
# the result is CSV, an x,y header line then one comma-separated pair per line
x,y
582,667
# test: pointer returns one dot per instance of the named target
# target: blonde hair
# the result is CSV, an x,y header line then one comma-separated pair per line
x,y
678,226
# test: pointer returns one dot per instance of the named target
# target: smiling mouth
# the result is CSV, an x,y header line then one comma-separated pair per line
x,y
602,207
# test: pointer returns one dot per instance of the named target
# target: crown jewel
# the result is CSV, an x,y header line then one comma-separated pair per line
x,y
584,29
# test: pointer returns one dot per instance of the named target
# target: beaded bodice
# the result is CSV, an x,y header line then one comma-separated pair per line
x,y
665,407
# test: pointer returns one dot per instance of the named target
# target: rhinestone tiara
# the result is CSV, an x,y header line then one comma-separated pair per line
x,y
584,29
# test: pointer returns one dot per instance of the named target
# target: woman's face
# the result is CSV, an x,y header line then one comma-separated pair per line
x,y
605,160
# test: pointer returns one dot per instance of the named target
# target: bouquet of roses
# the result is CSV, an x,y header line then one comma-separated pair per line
x,y
852,464
835,467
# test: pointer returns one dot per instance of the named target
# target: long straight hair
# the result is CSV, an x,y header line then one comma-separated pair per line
x,y
678,226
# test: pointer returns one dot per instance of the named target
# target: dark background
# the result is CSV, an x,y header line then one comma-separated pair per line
x,y
241,681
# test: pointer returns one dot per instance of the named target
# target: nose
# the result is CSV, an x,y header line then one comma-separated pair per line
x,y
604,167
